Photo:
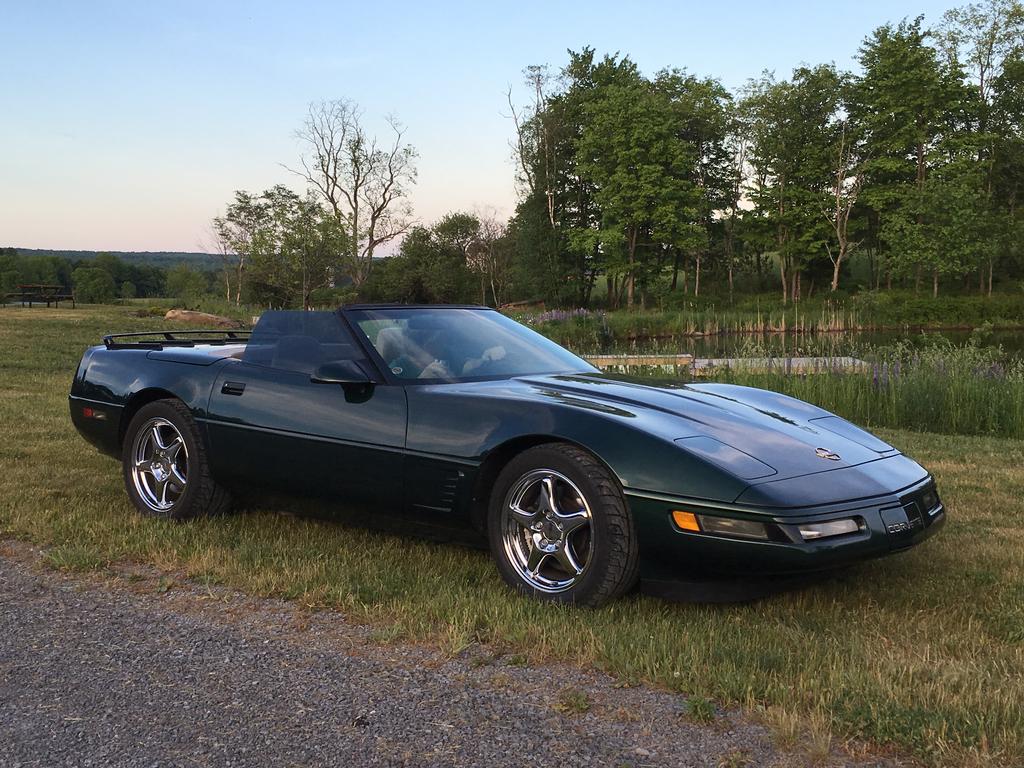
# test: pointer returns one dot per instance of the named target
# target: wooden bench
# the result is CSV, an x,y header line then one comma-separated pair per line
x,y
41,294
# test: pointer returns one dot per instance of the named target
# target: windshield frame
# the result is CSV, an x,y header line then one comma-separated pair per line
x,y
353,313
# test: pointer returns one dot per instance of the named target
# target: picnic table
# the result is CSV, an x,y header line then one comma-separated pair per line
x,y
40,293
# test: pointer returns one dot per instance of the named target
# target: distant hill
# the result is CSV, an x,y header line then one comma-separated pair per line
x,y
151,258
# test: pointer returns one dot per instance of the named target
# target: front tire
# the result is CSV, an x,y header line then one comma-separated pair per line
x,y
165,466
559,527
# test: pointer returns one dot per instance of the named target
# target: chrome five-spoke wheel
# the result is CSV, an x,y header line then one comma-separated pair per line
x,y
165,467
159,468
546,524
559,527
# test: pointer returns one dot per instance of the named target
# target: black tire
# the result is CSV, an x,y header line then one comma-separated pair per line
x,y
200,495
612,563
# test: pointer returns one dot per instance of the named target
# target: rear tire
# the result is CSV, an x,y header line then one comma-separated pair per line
x,y
559,527
165,465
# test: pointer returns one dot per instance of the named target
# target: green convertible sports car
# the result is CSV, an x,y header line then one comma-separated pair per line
x,y
584,484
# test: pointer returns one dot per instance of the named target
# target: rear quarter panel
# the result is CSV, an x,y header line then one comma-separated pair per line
x,y
115,381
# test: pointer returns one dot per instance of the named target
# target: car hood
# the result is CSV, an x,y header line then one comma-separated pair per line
x,y
756,434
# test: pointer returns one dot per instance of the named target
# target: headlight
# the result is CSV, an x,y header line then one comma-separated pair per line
x,y
811,531
727,526
930,501
735,528
720,526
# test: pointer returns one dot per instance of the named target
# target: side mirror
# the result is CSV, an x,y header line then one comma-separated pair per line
x,y
341,372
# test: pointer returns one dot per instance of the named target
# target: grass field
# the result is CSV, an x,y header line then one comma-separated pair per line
x,y
922,653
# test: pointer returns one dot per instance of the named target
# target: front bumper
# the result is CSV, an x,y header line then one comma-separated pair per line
x,y
888,524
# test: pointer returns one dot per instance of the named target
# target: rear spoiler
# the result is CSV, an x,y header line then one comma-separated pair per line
x,y
161,339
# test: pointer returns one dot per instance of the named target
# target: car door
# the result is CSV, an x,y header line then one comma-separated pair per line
x,y
270,424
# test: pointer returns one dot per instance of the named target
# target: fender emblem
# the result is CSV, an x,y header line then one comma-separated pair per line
x,y
825,453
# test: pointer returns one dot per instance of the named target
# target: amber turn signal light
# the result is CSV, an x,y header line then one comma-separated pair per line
x,y
685,520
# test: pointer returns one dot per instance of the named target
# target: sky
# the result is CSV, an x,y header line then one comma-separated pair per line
x,y
128,125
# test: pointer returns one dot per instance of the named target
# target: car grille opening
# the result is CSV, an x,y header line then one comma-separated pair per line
x,y
922,506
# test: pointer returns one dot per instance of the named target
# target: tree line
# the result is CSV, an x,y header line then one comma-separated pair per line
x,y
101,279
632,187
104,278
915,163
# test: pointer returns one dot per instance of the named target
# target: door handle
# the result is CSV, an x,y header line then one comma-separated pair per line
x,y
232,388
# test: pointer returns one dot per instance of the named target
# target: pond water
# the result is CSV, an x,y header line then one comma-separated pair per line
x,y
850,343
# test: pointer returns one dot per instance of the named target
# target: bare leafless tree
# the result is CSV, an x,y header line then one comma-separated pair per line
x,y
364,183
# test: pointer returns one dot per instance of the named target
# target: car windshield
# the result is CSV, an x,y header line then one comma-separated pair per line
x,y
450,344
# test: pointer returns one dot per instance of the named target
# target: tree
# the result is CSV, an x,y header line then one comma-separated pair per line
x,y
986,40
284,247
457,231
947,223
10,267
185,284
737,146
127,290
93,285
490,255
147,279
1008,165
557,223
363,183
234,234
847,181
980,37
793,128
702,114
641,170
543,150
907,102
113,266
295,250
430,266
536,149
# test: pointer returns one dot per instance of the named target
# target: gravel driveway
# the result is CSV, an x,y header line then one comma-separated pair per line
x,y
119,670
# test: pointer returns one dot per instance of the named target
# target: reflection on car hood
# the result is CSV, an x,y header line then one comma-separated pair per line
x,y
790,436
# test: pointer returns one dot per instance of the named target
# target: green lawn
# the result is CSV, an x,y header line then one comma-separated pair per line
x,y
923,651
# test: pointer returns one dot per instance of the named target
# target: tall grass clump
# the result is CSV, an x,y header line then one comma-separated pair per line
x,y
965,389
